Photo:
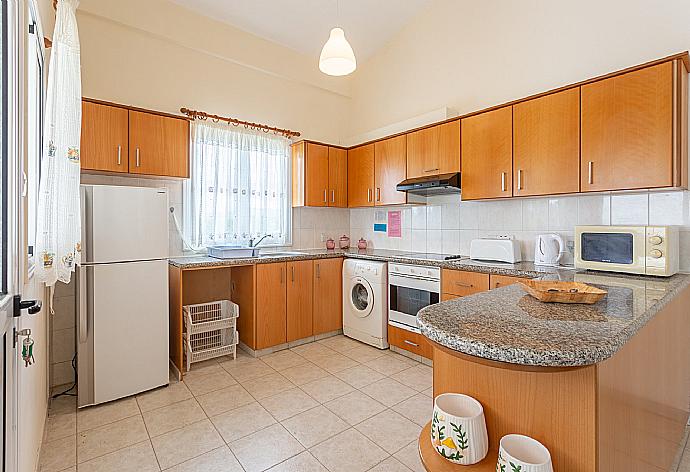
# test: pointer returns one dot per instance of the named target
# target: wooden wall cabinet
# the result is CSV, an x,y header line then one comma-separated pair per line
x,y
271,305
319,175
390,168
434,150
546,144
299,300
116,138
630,125
104,137
487,155
328,295
360,176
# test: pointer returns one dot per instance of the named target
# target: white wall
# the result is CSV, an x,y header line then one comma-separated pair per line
x,y
468,55
447,225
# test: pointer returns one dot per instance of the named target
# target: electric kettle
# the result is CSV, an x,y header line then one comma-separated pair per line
x,y
548,249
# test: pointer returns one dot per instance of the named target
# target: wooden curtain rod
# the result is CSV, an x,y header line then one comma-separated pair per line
x,y
200,115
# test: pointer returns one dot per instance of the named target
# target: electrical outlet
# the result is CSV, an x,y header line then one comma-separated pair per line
x,y
323,237
571,246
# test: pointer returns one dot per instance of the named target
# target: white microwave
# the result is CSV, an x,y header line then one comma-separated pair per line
x,y
647,250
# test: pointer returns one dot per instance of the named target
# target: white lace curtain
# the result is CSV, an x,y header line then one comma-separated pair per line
x,y
58,234
239,187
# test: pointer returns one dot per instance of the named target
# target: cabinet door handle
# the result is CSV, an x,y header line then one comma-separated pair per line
x,y
378,194
431,170
410,343
292,270
332,196
137,157
368,195
318,271
282,276
464,284
590,166
519,179
325,196
503,181
119,154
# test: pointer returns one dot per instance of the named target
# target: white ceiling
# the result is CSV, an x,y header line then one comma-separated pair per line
x,y
304,25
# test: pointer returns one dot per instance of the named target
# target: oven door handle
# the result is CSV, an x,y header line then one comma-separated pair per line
x,y
415,277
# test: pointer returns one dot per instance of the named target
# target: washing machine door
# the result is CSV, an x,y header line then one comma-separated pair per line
x,y
361,297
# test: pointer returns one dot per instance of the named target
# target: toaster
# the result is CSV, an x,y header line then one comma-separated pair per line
x,y
500,250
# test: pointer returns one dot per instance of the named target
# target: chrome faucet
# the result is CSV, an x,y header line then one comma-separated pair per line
x,y
251,241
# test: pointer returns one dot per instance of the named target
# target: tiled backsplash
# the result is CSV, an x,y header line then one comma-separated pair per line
x,y
447,224
312,226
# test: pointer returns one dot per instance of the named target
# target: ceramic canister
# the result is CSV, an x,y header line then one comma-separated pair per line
x,y
519,453
458,429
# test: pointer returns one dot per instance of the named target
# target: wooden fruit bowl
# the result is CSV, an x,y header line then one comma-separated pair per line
x,y
553,291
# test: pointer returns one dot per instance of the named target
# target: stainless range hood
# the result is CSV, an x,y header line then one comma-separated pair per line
x,y
431,185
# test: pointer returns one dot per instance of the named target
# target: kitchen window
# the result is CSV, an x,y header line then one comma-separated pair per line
x,y
239,187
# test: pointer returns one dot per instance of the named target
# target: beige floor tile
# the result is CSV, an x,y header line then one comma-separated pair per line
x,y
355,407
108,438
390,465
218,460
429,392
163,396
60,426
388,364
312,350
335,362
246,370
242,421
282,360
95,416
288,404
137,458
183,444
305,373
388,391
303,462
340,343
267,385
390,430
265,448
327,389
364,353
315,426
202,384
58,455
418,409
172,417
200,369
223,400
359,376
409,456
349,451
62,405
420,377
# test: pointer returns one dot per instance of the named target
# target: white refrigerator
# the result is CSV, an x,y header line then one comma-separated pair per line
x,y
122,292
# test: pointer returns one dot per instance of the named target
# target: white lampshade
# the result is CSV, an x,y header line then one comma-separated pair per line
x,y
337,57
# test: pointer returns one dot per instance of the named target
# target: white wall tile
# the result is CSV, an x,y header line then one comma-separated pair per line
x,y
418,216
535,214
630,209
434,241
433,217
450,241
594,209
562,213
450,217
466,236
65,312
419,240
468,215
63,346
685,251
669,208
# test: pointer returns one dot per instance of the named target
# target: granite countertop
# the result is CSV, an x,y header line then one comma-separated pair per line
x,y
522,269
508,325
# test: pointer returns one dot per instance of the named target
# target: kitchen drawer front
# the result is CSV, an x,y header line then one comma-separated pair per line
x,y
415,343
498,281
463,283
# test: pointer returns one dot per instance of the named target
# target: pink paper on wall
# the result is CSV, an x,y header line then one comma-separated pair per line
x,y
394,224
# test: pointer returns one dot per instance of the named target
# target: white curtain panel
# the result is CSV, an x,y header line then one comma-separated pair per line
x,y
58,238
239,187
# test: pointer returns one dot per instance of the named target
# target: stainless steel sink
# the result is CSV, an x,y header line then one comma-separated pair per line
x,y
281,254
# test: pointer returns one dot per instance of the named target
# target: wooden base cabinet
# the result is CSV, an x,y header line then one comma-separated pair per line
x,y
271,305
299,300
415,343
328,295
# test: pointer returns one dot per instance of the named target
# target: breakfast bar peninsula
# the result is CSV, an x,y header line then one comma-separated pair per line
x,y
605,387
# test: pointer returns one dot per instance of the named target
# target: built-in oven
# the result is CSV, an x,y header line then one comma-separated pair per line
x,y
411,288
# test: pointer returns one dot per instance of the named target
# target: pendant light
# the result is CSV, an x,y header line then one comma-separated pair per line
x,y
337,57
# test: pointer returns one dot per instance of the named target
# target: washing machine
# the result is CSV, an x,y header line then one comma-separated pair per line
x,y
365,304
